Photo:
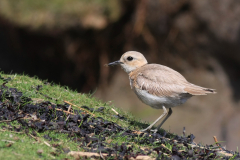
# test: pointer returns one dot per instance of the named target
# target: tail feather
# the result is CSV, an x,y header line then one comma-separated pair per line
x,y
197,90
210,90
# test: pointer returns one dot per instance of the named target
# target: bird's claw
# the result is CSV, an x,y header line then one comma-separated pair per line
x,y
143,130
152,130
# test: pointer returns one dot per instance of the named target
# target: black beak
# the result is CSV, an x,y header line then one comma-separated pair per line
x,y
114,63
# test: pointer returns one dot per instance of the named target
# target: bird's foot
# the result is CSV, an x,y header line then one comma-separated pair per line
x,y
148,129
144,130
154,130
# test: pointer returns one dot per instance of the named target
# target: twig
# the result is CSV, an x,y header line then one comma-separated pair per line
x,y
67,117
47,143
64,111
69,108
115,111
137,132
79,108
77,154
216,141
7,141
11,120
51,156
34,137
3,130
101,155
89,143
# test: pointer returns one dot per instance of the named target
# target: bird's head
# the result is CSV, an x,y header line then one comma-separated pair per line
x,y
130,61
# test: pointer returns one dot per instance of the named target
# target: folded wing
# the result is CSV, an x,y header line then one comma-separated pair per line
x,y
163,81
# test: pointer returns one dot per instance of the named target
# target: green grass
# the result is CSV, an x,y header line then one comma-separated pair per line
x,y
14,145
26,147
59,94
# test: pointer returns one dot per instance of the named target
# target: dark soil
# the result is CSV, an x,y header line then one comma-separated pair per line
x,y
91,132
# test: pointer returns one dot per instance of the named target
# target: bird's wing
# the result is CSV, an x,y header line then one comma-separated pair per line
x,y
163,81
159,80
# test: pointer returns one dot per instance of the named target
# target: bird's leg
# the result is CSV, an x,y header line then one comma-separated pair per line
x,y
164,113
168,115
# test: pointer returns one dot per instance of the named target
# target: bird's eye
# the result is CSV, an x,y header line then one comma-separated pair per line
x,y
129,58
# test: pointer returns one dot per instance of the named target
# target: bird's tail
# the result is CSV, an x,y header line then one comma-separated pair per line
x,y
197,90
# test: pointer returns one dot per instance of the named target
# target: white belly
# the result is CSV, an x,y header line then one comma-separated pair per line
x,y
158,102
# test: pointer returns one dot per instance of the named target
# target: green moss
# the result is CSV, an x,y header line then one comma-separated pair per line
x,y
24,146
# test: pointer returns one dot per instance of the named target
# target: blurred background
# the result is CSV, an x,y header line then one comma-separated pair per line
x,y
68,42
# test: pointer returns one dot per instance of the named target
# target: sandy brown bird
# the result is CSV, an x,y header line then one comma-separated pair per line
x,y
156,85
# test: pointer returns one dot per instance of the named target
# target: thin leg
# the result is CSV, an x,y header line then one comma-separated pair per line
x,y
164,113
168,115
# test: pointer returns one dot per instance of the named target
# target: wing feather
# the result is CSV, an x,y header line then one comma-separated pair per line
x,y
158,80
163,81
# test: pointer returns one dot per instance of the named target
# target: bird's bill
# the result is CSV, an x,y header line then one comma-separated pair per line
x,y
115,63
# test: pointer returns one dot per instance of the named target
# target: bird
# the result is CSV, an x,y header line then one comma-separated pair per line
x,y
157,86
